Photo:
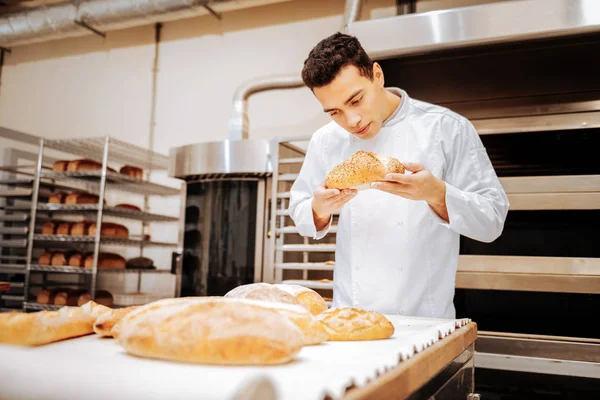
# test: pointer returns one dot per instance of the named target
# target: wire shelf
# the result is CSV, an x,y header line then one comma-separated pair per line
x,y
115,181
121,212
12,268
119,151
86,240
88,271
41,307
13,230
14,217
14,243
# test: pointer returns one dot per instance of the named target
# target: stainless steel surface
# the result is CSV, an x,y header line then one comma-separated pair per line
x,y
226,157
13,230
12,268
261,205
67,239
537,123
487,24
537,365
92,179
14,217
14,243
120,212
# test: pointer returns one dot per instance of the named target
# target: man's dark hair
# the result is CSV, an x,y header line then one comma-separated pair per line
x,y
332,54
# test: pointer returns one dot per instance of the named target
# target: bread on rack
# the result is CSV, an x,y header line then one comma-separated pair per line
x,y
211,330
80,228
110,229
261,291
306,297
132,172
43,327
49,228
140,263
45,258
362,169
46,296
64,228
76,259
60,258
68,297
353,323
128,206
81,198
103,297
105,260
57,198
85,165
60,166
104,324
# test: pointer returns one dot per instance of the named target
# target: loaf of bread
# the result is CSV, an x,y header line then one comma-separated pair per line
x,y
43,296
64,228
105,260
68,297
60,166
46,258
129,206
60,258
306,297
80,228
140,263
57,198
110,229
43,327
261,291
85,165
104,324
76,259
211,330
133,172
352,323
362,169
102,297
49,228
81,198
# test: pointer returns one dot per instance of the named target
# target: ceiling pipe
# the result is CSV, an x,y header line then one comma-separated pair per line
x,y
238,123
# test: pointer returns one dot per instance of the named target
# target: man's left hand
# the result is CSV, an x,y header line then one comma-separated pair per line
x,y
419,185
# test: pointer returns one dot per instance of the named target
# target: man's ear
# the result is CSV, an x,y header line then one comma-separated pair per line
x,y
378,74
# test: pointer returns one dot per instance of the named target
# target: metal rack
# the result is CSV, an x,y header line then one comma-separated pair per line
x,y
103,150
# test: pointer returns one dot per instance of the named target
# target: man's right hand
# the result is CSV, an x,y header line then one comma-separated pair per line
x,y
327,202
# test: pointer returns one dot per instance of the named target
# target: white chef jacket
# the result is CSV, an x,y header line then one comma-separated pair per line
x,y
395,255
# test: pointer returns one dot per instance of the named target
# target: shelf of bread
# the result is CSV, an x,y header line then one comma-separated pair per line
x,y
119,151
120,210
77,262
309,266
317,248
311,284
108,240
114,180
83,270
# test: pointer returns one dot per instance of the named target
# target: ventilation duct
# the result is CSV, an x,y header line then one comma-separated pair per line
x,y
79,18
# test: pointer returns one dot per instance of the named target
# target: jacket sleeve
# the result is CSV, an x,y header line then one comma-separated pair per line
x,y
311,175
476,201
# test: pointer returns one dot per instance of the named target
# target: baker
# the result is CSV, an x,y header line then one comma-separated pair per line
x,y
397,242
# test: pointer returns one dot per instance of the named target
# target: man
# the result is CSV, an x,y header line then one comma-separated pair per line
x,y
397,243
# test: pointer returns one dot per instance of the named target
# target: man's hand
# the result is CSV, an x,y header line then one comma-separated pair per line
x,y
420,185
328,201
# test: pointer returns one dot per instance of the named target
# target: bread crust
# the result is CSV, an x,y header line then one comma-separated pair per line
x,y
261,291
362,169
352,323
306,297
105,322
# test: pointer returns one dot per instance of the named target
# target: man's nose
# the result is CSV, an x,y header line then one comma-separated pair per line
x,y
353,119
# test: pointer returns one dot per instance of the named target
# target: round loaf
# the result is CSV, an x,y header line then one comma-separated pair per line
x,y
362,169
352,323
306,297
217,331
261,291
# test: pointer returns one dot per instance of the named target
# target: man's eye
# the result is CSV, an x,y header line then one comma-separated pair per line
x,y
356,101
333,113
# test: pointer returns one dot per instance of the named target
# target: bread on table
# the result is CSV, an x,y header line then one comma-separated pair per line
x,y
57,198
60,166
211,330
110,229
128,206
49,228
306,297
43,327
103,297
261,291
352,323
131,171
104,324
362,169
105,260
81,198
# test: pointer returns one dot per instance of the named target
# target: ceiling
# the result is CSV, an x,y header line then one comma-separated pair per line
x,y
10,6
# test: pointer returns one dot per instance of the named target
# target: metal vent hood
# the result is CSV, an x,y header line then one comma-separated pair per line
x,y
495,23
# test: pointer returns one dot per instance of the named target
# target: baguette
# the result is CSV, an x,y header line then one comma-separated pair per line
x,y
211,330
104,324
306,297
352,323
43,327
362,169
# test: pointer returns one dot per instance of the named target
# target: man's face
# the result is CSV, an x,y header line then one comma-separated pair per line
x,y
355,102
